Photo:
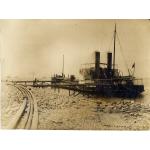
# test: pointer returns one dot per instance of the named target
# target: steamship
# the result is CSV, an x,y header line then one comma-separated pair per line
x,y
106,79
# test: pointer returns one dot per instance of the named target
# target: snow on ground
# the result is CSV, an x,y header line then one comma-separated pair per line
x,y
57,110
11,100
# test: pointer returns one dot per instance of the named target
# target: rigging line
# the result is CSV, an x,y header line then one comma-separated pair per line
x,y
110,43
123,54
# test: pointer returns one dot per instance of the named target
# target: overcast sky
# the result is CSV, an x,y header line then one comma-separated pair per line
x,y
35,47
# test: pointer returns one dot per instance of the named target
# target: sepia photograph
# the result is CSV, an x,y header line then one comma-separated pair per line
x,y
75,74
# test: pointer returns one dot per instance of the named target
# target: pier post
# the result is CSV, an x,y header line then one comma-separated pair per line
x,y
83,90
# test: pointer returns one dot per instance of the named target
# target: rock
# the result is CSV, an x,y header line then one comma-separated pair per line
x,y
114,108
132,114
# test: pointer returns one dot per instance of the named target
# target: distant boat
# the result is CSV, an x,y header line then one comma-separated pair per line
x,y
61,79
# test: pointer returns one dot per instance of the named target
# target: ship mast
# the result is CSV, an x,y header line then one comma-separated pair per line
x,y
63,67
114,48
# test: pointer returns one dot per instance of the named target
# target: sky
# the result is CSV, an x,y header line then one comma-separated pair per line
x,y
35,48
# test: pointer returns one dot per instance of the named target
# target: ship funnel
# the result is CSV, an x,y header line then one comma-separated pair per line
x,y
109,61
97,63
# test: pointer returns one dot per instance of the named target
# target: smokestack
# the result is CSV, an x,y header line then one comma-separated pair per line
x,y
97,62
109,61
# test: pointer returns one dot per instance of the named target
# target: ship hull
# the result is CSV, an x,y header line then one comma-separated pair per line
x,y
124,91
130,91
